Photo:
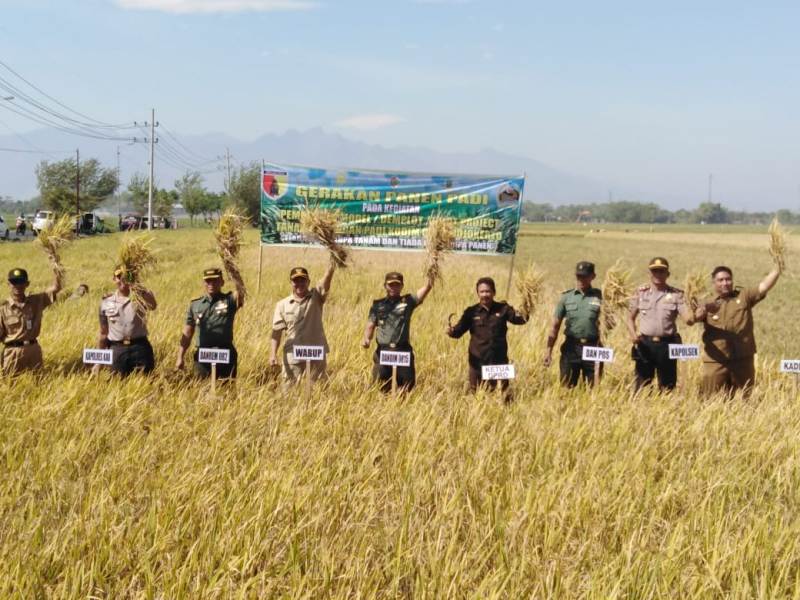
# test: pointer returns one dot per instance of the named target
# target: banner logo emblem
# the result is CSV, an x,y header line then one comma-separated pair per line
x,y
275,183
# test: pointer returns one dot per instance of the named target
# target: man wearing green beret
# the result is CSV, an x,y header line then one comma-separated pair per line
x,y
580,306
212,315
21,322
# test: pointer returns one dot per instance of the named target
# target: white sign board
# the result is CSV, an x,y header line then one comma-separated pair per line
x,y
214,355
95,356
308,352
490,372
684,351
790,366
395,359
597,354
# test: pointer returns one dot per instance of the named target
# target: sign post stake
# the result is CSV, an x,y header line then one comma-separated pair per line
x,y
596,373
308,379
213,380
394,380
260,261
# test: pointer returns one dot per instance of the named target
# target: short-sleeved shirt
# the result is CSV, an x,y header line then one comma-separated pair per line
x,y
658,310
212,317
20,322
728,333
581,311
302,321
119,313
488,326
392,316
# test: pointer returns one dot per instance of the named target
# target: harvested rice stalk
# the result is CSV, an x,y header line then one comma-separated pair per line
x,y
135,260
777,245
51,239
695,288
529,285
323,226
229,241
439,239
617,292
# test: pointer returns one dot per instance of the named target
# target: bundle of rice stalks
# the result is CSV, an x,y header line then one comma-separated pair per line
x,y
695,288
777,244
52,238
529,285
229,241
617,292
323,226
136,259
439,239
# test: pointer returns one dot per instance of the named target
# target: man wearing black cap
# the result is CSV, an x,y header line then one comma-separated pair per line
x,y
658,306
300,315
212,315
21,322
123,327
580,306
391,317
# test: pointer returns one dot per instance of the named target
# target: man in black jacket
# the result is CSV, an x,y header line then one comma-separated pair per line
x,y
487,322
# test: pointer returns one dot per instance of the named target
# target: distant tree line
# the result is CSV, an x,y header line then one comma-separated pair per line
x,y
647,212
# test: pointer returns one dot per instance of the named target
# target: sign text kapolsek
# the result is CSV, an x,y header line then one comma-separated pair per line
x,y
391,209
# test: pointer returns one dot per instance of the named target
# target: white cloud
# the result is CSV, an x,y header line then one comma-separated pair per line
x,y
369,122
216,6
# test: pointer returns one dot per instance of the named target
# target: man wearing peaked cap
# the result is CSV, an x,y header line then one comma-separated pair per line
x,y
21,322
580,306
123,327
657,305
212,315
390,316
299,315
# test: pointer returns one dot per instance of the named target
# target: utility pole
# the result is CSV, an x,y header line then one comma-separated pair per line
x,y
228,160
78,190
119,198
152,167
710,183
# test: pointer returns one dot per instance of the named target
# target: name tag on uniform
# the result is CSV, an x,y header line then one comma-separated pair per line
x,y
95,356
214,355
598,354
395,359
308,352
684,351
492,372
790,366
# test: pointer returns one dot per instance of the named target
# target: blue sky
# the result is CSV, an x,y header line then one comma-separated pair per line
x,y
653,96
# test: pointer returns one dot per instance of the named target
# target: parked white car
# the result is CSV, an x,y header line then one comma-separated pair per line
x,y
42,219
3,229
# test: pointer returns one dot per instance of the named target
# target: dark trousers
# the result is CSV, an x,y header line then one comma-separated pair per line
x,y
223,371
406,376
475,381
651,359
136,356
572,366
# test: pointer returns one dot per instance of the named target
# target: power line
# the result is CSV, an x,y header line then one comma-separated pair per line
x,y
182,145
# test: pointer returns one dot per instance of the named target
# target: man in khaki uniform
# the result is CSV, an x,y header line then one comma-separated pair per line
x,y
657,305
728,342
21,323
123,327
300,315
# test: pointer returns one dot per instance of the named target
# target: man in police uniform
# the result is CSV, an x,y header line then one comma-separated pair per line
x,y
658,306
123,327
21,323
300,316
212,315
581,308
391,317
729,345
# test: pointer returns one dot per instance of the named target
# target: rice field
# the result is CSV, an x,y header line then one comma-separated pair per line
x,y
152,488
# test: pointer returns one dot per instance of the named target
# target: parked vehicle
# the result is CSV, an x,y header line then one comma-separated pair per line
x,y
42,219
3,229
90,223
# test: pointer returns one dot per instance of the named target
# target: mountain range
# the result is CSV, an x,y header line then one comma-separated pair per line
x,y
314,147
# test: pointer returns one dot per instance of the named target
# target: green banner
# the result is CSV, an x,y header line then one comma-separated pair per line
x,y
390,210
